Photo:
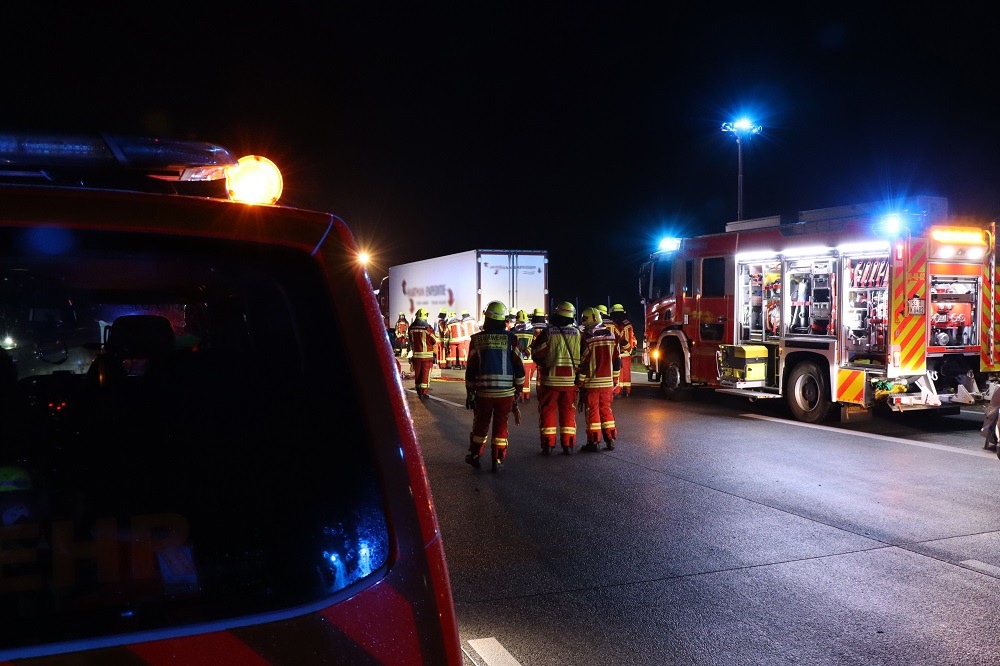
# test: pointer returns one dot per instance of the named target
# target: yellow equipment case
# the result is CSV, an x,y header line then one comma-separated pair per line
x,y
743,363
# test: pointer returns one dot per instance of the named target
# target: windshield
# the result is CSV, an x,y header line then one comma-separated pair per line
x,y
174,447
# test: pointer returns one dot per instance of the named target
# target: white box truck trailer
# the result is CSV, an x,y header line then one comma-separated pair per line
x,y
467,281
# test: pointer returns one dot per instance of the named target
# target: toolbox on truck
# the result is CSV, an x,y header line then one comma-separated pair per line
x,y
743,364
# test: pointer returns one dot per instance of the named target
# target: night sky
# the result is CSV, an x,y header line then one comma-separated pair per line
x,y
584,129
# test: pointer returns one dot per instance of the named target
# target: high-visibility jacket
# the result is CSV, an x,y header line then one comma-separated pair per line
x,y
495,368
441,331
600,362
525,334
471,325
422,339
456,330
401,327
627,341
556,351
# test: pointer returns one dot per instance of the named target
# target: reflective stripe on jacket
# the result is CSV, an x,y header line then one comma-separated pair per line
x,y
556,350
422,339
495,368
600,363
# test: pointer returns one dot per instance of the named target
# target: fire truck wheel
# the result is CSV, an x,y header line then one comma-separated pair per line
x,y
807,395
672,377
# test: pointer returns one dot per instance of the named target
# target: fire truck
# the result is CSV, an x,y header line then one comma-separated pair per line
x,y
847,307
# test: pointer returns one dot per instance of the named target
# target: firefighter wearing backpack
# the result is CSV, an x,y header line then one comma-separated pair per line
x,y
596,378
556,353
494,375
626,346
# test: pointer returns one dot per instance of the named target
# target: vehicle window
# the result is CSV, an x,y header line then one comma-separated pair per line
x,y
663,283
173,445
713,277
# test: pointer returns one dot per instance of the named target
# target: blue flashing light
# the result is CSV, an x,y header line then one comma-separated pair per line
x,y
893,225
669,244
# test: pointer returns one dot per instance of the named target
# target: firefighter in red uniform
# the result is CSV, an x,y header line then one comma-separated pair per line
x,y
471,327
401,340
525,333
539,322
493,377
440,331
596,378
422,341
556,352
456,331
626,346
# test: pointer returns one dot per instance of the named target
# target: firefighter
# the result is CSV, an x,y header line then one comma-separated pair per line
x,y
525,333
597,377
605,317
440,331
471,327
454,336
494,376
626,346
556,353
402,325
539,322
422,341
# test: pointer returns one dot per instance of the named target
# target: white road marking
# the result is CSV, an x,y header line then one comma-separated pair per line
x,y
982,566
911,442
431,397
492,653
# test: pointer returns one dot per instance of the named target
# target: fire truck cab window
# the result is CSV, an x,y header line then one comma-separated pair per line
x,y
713,277
663,284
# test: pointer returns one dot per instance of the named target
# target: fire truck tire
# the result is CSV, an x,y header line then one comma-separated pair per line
x,y
808,396
672,377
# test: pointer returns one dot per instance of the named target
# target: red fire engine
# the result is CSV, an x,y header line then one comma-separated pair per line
x,y
848,306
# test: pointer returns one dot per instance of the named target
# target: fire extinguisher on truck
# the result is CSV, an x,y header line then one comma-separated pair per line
x,y
846,307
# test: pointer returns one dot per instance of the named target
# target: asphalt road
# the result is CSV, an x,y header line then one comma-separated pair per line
x,y
721,532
